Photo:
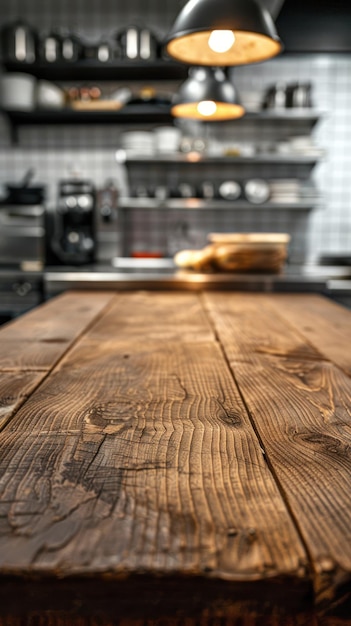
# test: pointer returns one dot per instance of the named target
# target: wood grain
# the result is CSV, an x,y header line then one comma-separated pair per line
x,y
39,338
302,412
325,324
15,388
138,476
241,620
152,316
142,458
249,327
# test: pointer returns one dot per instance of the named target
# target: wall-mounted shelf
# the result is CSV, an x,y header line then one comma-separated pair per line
x,y
148,113
198,158
307,115
109,71
132,114
190,204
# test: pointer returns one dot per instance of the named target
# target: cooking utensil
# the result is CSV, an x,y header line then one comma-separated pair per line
x,y
257,190
19,42
249,251
276,97
103,51
229,190
138,42
299,95
207,190
71,47
51,47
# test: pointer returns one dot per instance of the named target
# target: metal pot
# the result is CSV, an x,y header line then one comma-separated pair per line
x,y
19,42
138,43
276,97
299,95
51,48
102,51
71,48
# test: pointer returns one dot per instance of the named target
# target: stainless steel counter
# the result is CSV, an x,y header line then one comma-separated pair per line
x,y
21,290
293,279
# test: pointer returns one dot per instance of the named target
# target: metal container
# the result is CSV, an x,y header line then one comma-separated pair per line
x,y
19,42
138,43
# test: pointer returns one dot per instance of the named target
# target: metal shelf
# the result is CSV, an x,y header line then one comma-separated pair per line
x,y
198,158
110,71
132,114
210,205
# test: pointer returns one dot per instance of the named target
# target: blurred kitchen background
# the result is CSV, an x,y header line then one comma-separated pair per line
x,y
295,138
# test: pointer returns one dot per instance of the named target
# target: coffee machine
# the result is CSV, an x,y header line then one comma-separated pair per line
x,y
70,232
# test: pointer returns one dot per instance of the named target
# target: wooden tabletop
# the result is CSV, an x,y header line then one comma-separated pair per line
x,y
178,458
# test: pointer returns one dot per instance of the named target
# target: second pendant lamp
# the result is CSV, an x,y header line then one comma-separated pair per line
x,y
207,95
223,33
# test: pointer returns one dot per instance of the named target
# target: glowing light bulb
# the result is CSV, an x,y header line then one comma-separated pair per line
x,y
221,40
207,108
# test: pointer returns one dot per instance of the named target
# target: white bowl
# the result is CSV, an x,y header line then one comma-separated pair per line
x,y
49,95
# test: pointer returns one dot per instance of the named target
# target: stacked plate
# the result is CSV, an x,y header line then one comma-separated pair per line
x,y
285,190
138,142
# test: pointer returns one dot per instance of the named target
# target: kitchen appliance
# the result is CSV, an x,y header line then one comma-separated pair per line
x,y
138,43
70,228
106,222
19,42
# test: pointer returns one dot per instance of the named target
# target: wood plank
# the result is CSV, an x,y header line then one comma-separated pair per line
x,y
39,338
301,410
325,324
249,327
151,316
15,388
242,619
140,458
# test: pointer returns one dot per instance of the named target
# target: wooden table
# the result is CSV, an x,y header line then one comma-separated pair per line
x,y
176,459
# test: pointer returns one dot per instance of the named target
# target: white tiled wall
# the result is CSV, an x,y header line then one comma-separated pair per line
x,y
52,150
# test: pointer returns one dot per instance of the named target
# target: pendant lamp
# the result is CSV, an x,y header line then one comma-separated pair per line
x,y
207,95
223,33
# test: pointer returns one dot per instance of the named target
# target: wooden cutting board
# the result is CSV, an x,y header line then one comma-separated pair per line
x,y
97,105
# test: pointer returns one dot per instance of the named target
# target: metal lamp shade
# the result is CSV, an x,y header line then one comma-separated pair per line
x,y
255,35
211,86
